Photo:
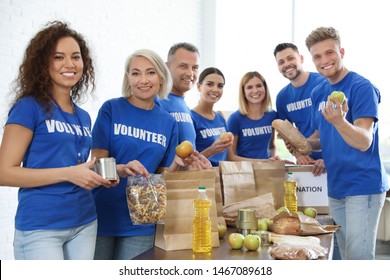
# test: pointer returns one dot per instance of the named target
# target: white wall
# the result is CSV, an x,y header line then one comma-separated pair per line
x,y
113,28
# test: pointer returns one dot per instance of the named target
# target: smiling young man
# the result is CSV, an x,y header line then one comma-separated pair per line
x,y
348,137
293,102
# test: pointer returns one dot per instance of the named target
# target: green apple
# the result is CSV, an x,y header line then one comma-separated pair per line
x,y
263,224
221,230
339,95
236,240
252,242
310,212
282,209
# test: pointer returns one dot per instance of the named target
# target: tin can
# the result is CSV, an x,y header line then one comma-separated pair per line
x,y
106,167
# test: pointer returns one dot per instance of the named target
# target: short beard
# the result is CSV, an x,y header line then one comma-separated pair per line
x,y
296,76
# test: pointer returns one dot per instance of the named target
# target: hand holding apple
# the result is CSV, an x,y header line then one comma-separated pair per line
x,y
339,95
184,149
226,136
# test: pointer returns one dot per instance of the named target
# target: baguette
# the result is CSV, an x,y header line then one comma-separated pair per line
x,y
291,134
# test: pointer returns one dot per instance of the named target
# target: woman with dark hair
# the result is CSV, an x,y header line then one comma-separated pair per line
x,y
209,124
45,148
254,137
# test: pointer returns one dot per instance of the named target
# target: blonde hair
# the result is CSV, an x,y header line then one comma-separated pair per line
x,y
321,34
243,102
158,64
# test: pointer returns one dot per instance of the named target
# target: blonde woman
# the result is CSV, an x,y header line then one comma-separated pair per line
x,y
142,137
254,137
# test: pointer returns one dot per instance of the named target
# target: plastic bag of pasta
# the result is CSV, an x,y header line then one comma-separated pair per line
x,y
146,199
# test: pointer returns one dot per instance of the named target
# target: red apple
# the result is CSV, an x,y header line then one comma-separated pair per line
x,y
184,149
252,242
236,240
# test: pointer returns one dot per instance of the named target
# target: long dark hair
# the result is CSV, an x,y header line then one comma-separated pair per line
x,y
34,78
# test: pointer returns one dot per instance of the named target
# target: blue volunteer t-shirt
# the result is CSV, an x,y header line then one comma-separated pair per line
x,y
207,132
129,133
62,205
177,107
294,104
350,171
254,136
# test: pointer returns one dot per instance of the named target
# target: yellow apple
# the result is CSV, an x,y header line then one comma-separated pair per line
x,y
310,212
282,209
236,240
252,242
226,136
263,224
221,230
184,149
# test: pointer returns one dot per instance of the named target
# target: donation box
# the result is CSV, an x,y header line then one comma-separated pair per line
x,y
311,191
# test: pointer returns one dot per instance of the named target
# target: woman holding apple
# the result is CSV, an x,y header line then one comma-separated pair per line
x,y
254,137
142,137
212,140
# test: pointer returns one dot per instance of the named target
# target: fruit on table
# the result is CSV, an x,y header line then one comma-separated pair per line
x,y
221,230
263,224
282,209
184,149
310,212
252,242
236,240
226,136
339,95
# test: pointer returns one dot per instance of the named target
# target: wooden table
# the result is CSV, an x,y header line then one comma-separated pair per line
x,y
224,252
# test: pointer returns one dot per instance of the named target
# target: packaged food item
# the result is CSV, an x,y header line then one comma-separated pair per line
x,y
146,199
292,135
201,236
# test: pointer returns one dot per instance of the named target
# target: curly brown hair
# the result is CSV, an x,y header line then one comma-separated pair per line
x,y
34,78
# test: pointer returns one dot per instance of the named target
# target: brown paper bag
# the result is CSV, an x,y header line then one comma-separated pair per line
x,y
218,197
182,189
238,181
263,206
269,178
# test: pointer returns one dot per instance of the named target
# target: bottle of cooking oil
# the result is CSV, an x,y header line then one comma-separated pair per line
x,y
201,239
290,194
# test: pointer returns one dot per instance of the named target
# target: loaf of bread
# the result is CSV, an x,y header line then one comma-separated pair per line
x,y
291,134
287,225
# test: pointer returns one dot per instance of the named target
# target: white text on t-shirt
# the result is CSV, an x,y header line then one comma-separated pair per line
x,y
63,127
181,117
257,130
208,132
298,105
139,133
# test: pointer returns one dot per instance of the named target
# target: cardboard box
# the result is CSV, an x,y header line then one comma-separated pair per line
x,y
311,191
384,222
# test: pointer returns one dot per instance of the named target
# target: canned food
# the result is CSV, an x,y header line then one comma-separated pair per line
x,y
106,167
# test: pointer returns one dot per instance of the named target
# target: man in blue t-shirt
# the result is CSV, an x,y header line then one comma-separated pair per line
x,y
183,64
293,102
347,133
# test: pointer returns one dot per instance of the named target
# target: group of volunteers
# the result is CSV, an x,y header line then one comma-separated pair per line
x,y
49,145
